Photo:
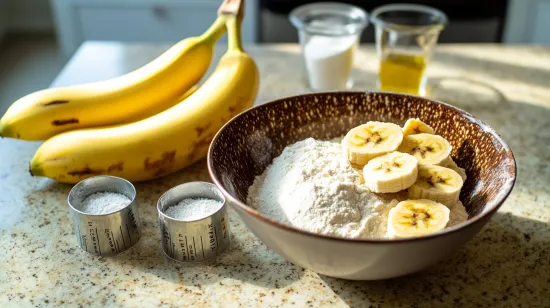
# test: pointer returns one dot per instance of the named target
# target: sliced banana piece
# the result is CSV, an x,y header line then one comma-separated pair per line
x,y
371,140
437,183
455,167
416,126
390,172
412,218
428,149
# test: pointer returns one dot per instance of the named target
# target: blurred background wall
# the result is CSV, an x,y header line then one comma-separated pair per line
x,y
470,20
74,21
37,37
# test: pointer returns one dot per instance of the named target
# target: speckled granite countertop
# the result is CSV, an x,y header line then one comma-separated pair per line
x,y
506,264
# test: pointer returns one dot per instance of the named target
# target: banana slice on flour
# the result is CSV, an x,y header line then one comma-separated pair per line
x,y
428,149
371,140
412,218
416,126
437,183
390,172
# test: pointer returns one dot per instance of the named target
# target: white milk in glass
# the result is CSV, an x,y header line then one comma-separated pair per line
x,y
329,61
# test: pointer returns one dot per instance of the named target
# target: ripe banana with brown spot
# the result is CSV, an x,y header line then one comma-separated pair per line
x,y
437,183
371,140
137,95
412,218
427,148
163,143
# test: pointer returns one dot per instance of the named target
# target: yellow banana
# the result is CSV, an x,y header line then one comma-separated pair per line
x,y
139,94
163,143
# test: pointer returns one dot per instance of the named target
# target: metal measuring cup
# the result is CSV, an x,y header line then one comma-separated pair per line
x,y
197,240
105,234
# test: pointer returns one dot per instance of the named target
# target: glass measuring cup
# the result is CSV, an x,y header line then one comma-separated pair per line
x,y
406,35
329,34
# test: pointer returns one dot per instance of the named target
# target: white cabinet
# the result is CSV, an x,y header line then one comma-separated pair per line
x,y
528,21
140,20
158,23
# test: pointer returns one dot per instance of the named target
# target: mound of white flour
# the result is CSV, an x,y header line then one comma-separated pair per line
x,y
312,186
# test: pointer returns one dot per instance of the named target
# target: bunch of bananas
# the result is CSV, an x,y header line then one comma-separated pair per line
x,y
411,158
145,124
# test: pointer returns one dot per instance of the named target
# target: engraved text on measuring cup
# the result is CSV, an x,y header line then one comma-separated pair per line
x,y
212,237
224,227
182,240
133,220
110,238
94,237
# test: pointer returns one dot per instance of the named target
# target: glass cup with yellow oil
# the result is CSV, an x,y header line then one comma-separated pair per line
x,y
406,35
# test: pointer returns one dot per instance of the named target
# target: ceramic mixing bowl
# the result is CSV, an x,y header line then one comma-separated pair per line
x,y
246,145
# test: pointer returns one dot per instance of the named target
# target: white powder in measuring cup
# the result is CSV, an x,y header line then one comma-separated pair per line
x,y
193,208
329,61
104,203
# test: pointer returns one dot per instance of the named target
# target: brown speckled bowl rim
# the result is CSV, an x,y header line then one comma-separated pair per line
x,y
494,204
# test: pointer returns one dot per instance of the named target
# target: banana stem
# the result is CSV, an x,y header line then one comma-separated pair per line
x,y
234,31
217,29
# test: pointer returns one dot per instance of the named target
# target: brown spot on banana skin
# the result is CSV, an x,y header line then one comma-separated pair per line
x,y
204,141
241,102
57,102
160,172
200,130
84,172
167,158
65,122
194,155
116,167
56,159
199,147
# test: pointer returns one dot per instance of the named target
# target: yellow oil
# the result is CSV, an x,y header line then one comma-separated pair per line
x,y
401,72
